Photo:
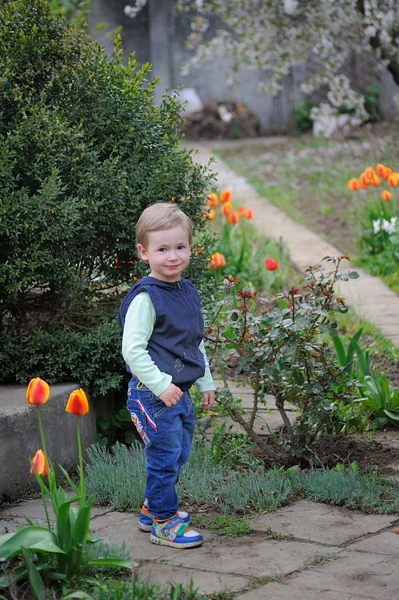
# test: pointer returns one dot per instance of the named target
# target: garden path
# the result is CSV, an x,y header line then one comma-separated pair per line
x,y
368,295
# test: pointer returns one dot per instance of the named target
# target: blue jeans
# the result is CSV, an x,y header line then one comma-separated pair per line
x,y
167,433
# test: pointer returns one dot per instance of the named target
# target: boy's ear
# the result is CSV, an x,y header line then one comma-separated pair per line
x,y
142,251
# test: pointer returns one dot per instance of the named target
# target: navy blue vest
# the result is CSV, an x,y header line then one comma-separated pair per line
x,y
178,329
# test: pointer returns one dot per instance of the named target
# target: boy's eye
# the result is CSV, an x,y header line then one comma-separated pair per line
x,y
180,247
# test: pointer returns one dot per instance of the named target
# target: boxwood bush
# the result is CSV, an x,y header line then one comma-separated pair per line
x,y
83,150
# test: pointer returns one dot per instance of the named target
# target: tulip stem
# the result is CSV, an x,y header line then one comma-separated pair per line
x,y
39,419
82,479
45,510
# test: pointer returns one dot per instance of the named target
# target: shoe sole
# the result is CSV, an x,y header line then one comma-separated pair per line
x,y
160,542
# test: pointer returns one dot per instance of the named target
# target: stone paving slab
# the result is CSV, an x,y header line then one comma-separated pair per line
x,y
206,581
352,575
384,543
323,523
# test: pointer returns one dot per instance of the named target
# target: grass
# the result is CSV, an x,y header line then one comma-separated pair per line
x,y
229,492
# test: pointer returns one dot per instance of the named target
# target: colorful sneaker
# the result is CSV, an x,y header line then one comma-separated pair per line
x,y
146,519
175,533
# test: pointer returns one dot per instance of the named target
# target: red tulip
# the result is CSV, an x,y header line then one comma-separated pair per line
x,y
77,404
271,264
38,392
39,462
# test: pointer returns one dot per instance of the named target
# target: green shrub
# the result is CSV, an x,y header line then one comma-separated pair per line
x,y
83,151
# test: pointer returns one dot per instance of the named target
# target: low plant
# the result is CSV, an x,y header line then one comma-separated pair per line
x,y
47,553
381,400
281,349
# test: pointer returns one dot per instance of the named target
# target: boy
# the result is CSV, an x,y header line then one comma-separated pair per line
x,y
163,349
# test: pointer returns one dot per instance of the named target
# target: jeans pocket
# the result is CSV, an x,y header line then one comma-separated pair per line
x,y
159,409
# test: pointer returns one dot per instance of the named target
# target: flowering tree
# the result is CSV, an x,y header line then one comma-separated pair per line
x,y
274,35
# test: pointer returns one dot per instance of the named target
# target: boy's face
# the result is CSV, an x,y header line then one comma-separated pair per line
x,y
167,252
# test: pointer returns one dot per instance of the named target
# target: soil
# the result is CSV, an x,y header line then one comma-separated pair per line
x,y
369,454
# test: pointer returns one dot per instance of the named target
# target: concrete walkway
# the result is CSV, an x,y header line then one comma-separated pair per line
x,y
369,297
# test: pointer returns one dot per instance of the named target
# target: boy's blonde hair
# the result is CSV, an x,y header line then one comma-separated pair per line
x,y
161,216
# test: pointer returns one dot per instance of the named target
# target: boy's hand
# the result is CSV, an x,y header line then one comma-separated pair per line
x,y
208,399
171,395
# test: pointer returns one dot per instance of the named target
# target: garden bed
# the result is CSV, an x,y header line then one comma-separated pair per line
x,y
307,178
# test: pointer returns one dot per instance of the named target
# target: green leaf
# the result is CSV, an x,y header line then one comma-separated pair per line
x,y
34,577
4,581
340,350
35,538
80,530
392,414
353,275
111,562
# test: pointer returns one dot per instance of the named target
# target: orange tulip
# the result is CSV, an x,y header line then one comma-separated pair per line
x,y
386,195
225,196
212,200
370,173
210,215
375,181
354,184
39,462
38,392
241,210
77,404
233,218
381,170
217,261
226,208
271,264
393,179
249,213
364,183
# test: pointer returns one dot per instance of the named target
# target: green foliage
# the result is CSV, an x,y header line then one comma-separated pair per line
x,y
372,103
302,119
83,150
91,358
231,447
381,399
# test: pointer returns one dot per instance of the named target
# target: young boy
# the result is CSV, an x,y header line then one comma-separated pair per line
x,y
164,350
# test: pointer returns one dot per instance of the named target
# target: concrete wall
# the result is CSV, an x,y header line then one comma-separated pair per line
x,y
158,37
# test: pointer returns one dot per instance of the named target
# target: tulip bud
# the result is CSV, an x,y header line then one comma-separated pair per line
x,y
39,462
77,404
38,392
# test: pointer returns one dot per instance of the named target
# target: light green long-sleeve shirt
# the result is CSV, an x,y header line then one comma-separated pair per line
x,y
139,325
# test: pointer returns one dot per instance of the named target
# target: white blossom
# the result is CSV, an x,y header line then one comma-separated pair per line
x,y
377,226
272,36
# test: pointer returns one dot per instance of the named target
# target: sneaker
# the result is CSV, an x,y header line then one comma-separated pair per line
x,y
175,533
146,519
